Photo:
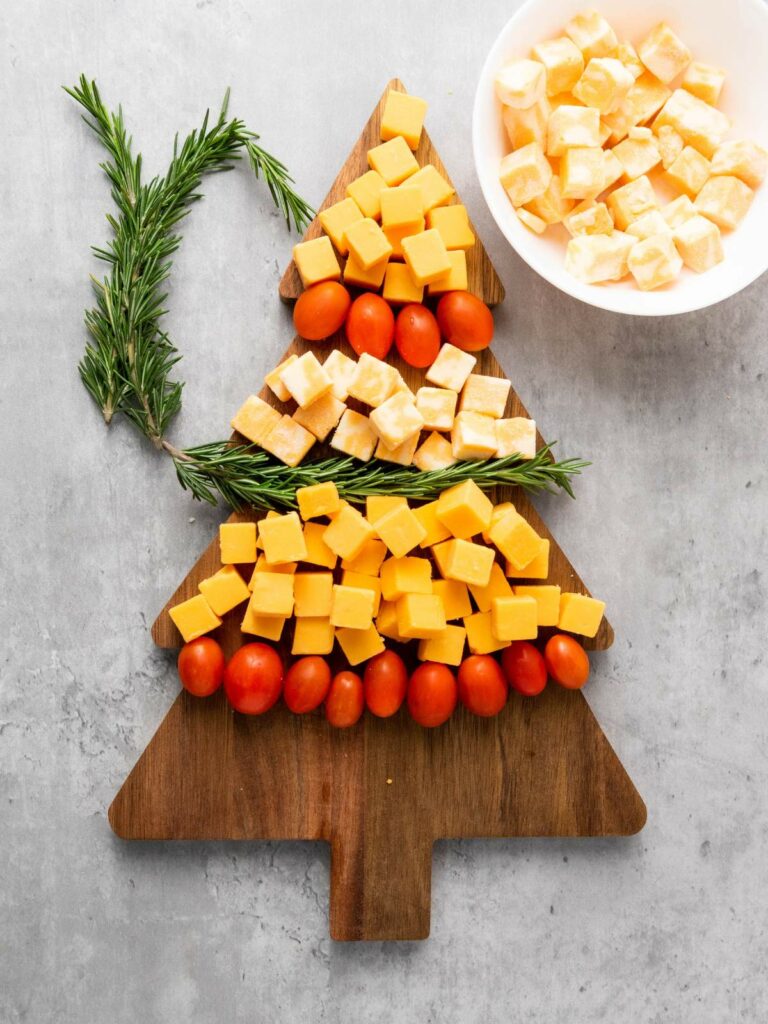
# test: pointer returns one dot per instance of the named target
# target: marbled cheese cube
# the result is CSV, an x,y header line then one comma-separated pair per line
x,y
700,125
654,262
516,436
531,221
486,395
426,256
742,159
435,453
596,258
288,441
275,384
452,224
631,201
403,114
370,279
699,244
366,192
689,172
520,83
402,206
402,455
367,243
451,368
455,280
593,35
725,200
581,172
604,84
526,126
571,126
316,261
337,218
396,419
254,419
637,156
551,206
305,380
525,173
473,436
670,145
321,417
628,56
664,53
437,407
435,190
563,63
651,223
373,381
399,285
613,169
341,369
678,211
354,436
393,160
593,219
705,81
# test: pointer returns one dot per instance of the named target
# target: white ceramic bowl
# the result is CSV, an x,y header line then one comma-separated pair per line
x,y
732,34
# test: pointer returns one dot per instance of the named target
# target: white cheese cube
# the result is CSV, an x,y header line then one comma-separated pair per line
x,y
700,125
437,407
321,417
651,223
486,395
521,83
613,169
273,382
670,145
705,81
435,453
637,156
525,174
526,126
396,420
604,84
373,381
592,34
572,126
742,159
473,436
689,172
664,53
551,206
355,436
594,219
451,368
402,455
341,370
516,436
631,201
596,258
582,172
654,262
724,200
563,63
627,54
678,211
305,380
699,243
531,221
288,441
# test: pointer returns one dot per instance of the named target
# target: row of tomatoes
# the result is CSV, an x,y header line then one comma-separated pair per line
x,y
370,324
254,678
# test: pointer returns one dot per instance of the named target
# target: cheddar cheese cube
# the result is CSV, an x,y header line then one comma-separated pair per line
x,y
288,441
348,532
366,191
395,236
473,436
580,614
402,206
525,173
377,505
352,607
743,160
341,369
312,592
486,395
321,417
305,380
399,285
316,261
467,562
282,538
654,262
526,126
670,145
664,53
318,500
451,368
370,279
704,81
520,83
688,172
571,126
551,206
354,436
426,256
386,621
531,221
455,280
455,598
480,636
402,455
581,172
318,552
408,575
499,511
563,64
651,223
497,586
604,84
373,381
369,559
434,530
464,509
359,645
678,211
516,436
270,627
272,594
437,407
593,219
452,224
440,553
547,600
400,530
724,200
262,565
337,218
361,581
367,243
537,568
596,258
396,419
254,419
700,125
515,538
420,616
514,618
237,543
393,160
631,201
313,636
194,617
403,114
435,453
447,647
699,243
593,35
637,156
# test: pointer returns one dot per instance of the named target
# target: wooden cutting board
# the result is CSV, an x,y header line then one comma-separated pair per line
x,y
382,792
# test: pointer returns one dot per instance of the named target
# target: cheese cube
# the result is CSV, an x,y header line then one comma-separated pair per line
x,y
631,201
651,223
402,455
272,594
366,192
341,369
254,419
305,380
744,160
700,125
367,243
318,500
520,83
613,169
262,565
596,258
393,160
270,627
403,114
237,543
435,190
637,156
386,621
313,636
399,285
452,224
515,538
645,98
464,509
420,616
437,407
396,419
563,64
627,54
580,614
451,368
678,211
426,256
486,395
531,221
337,218
288,441
455,598
402,206
343,503
318,552
664,53
670,145
370,279
699,244
440,553
654,262
194,617
368,561
516,436
473,436
593,220
480,637
316,261
526,126
514,618
467,562
640,133
446,649
498,512
525,173
551,206
689,172
592,34
283,538
400,530
456,278
497,586
274,382
373,381
547,600
377,505
704,81
359,645
312,594
409,575
725,200
352,607
362,581
321,417
604,84
581,172
348,533
571,126
537,568
434,530
435,453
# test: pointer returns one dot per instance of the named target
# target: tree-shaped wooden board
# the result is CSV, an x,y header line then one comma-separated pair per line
x,y
380,793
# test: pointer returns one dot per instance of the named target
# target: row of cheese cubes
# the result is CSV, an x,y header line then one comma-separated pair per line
x,y
393,429
398,590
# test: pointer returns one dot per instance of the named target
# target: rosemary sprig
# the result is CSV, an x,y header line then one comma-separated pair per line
x,y
245,476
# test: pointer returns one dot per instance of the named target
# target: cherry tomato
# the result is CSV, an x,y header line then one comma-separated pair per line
x,y
385,681
253,679
370,325
524,667
417,335
482,686
307,682
345,701
567,661
432,694
321,310
465,321
201,666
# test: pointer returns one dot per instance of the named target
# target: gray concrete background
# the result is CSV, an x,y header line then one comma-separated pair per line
x,y
669,527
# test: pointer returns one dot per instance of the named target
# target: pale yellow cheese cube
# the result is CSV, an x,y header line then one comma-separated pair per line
x,y
445,649
725,200
520,83
316,261
678,211
399,285
348,532
402,206
312,594
604,84
402,455
435,190
254,419
689,172
270,627
699,244
631,201
354,436
366,192
473,436
531,221
637,156
316,500
596,258
437,407
403,114
352,607
321,417
651,223
288,441
670,145
373,381
224,590
593,35
526,126
341,369
571,126
563,63
480,636
664,53
451,368
516,436
393,160
396,419
426,256
654,262
313,636
305,380
456,278
594,219
194,617
452,224
700,125
370,279
274,382
359,645
581,172
514,618
367,242
435,453
613,169
743,160
400,530
704,80
525,173
547,600
551,206
337,218
627,54
486,395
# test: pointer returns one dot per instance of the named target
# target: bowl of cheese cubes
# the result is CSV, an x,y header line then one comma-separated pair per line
x,y
621,150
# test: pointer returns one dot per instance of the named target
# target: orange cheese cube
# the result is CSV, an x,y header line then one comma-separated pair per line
x,y
403,114
537,568
446,648
395,236
224,590
348,532
354,436
455,597
254,419
318,552
467,562
402,206
409,575
514,618
376,505
237,543
420,616
435,453
366,192
399,285
547,600
400,530
363,581
272,594
455,280
270,627
464,509
194,617
386,621
352,607
337,218
515,538
368,561
359,645
283,538
580,614
452,224
316,261
435,531
426,256
313,636
262,565
497,586
435,190
370,279
317,500
480,636
393,160
312,594
367,243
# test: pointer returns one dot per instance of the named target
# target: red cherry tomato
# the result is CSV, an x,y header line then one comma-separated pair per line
x,y
432,694
385,681
524,667
201,666
465,321
320,311
567,661
370,325
307,682
253,679
482,686
345,701
417,335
